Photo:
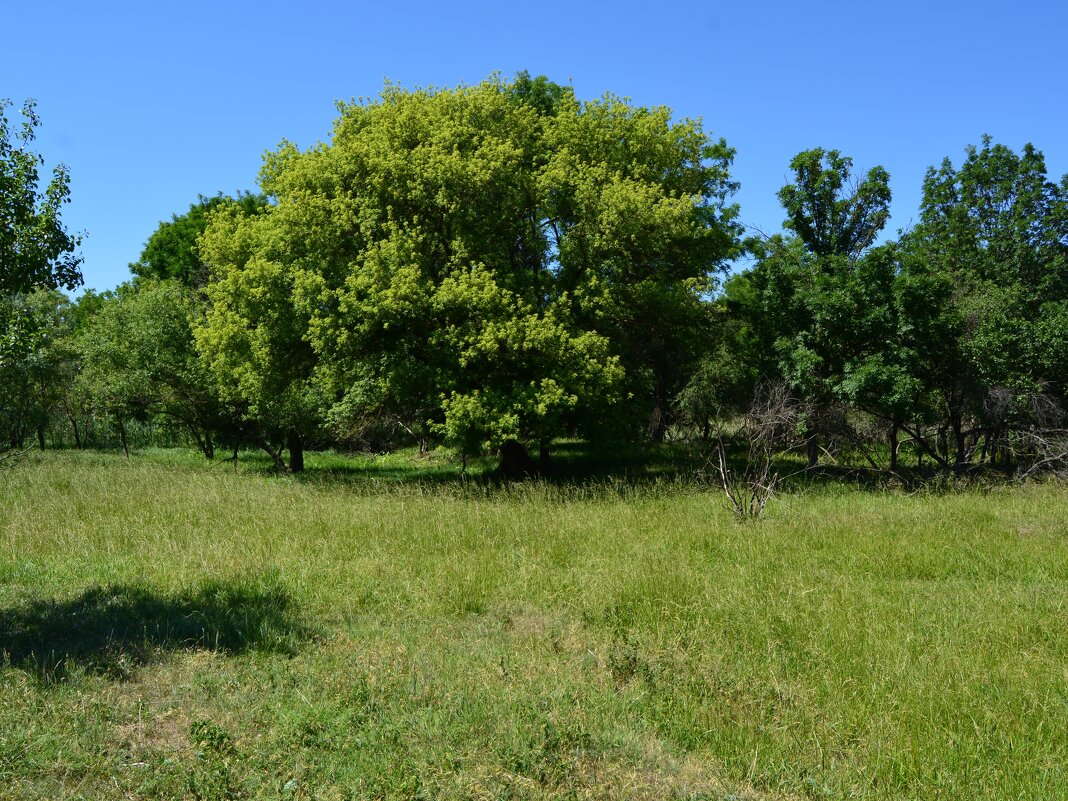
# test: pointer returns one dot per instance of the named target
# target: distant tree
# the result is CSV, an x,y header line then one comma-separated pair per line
x,y
992,248
171,252
824,300
833,213
113,381
138,360
736,357
37,368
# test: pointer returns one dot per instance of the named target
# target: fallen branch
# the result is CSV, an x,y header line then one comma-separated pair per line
x,y
15,454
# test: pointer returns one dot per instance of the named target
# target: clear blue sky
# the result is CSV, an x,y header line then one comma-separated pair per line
x,y
151,104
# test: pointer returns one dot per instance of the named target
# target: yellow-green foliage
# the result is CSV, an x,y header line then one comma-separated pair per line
x,y
482,266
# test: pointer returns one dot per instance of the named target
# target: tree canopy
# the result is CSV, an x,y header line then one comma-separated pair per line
x,y
494,263
171,252
36,251
831,212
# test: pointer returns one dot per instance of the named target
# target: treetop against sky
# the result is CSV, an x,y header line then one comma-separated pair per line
x,y
151,106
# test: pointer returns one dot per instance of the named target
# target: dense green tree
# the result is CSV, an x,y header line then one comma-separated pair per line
x,y
171,252
642,229
139,360
253,339
832,213
37,367
540,93
992,246
36,251
492,264
880,372
825,297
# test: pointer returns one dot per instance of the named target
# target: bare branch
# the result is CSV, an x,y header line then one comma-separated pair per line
x,y
772,418
14,454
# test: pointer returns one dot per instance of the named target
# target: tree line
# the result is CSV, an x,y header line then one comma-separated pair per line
x,y
498,266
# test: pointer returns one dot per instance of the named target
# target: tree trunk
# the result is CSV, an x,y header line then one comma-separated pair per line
x,y
207,444
40,437
296,452
812,443
516,462
657,424
207,447
276,457
960,444
922,446
892,437
543,456
122,438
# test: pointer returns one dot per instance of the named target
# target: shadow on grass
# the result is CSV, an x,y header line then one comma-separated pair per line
x,y
112,630
573,464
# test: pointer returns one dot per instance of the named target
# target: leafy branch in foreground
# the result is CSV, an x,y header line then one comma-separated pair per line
x,y
35,249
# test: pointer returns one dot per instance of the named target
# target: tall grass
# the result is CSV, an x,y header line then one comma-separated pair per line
x,y
344,636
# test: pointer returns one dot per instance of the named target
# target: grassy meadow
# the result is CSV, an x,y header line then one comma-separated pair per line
x,y
171,629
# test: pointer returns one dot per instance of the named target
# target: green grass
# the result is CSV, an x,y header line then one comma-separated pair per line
x,y
172,630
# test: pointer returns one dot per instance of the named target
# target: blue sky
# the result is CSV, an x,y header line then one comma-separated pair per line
x,y
152,104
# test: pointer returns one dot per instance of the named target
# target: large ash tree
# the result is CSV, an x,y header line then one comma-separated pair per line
x,y
493,265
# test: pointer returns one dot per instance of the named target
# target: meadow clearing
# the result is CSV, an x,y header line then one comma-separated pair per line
x,y
176,630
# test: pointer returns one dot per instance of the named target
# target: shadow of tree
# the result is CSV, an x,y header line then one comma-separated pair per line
x,y
112,630
573,464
